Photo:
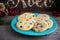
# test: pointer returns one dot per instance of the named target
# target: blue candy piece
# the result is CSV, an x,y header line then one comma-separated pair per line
x,y
30,23
36,14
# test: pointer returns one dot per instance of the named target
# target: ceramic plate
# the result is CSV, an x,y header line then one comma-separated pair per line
x,y
32,33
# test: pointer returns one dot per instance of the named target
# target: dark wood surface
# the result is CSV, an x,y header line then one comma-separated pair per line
x,y
6,32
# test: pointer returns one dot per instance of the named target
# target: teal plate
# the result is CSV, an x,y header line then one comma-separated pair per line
x,y
32,33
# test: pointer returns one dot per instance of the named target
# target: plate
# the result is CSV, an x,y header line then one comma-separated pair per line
x,y
32,33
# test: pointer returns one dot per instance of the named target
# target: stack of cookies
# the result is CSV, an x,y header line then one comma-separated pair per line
x,y
36,22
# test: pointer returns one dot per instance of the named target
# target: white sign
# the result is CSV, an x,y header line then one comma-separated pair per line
x,y
38,3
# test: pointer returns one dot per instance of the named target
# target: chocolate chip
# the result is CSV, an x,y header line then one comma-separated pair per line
x,y
46,20
21,26
38,24
27,20
33,15
41,26
36,27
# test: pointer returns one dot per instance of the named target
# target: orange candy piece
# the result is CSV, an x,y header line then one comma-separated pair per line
x,y
28,27
25,22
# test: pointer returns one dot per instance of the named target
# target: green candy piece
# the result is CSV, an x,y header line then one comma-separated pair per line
x,y
30,16
20,22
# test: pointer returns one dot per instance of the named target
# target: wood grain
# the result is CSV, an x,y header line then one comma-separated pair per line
x,y
6,32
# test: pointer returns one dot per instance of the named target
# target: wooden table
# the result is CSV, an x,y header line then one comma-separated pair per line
x,y
6,32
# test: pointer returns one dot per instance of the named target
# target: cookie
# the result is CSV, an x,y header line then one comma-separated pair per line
x,y
27,15
47,20
44,16
25,25
26,21
40,26
24,16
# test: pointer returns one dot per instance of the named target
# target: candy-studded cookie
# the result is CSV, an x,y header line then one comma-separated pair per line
x,y
25,25
26,21
24,16
27,15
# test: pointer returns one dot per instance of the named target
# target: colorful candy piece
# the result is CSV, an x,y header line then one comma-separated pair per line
x,y
35,14
30,23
